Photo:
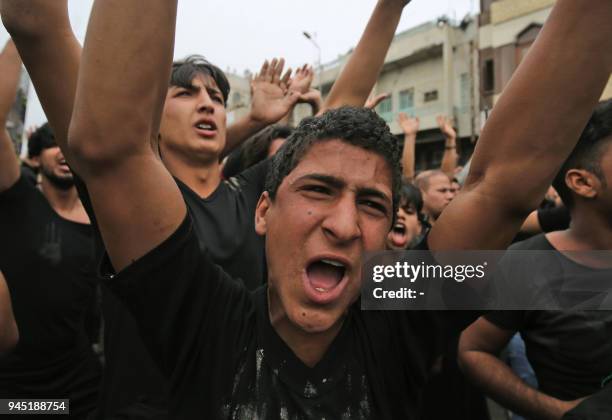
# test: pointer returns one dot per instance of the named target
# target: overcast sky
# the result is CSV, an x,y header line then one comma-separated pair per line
x,y
240,34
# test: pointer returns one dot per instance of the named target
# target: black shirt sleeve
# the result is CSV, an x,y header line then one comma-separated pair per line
x,y
554,218
18,192
183,303
507,320
254,178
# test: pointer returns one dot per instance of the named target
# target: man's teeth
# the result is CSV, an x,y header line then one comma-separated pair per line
x,y
320,289
334,263
204,126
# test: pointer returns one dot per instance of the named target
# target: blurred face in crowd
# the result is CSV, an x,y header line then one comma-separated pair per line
x,y
193,123
54,167
436,195
406,228
324,216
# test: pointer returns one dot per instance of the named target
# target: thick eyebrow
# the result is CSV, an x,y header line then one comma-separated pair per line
x,y
326,179
338,183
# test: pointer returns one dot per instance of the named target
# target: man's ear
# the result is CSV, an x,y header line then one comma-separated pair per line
x,y
261,213
582,182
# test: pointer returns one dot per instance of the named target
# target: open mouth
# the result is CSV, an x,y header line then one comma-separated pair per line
x,y
325,280
398,235
63,165
206,128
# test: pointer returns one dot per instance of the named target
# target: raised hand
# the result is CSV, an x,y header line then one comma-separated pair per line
x,y
446,126
302,80
373,101
272,99
314,98
410,125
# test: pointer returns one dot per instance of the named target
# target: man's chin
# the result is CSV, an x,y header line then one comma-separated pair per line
x,y
316,321
63,182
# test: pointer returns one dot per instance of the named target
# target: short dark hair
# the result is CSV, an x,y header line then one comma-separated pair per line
x,y
587,153
256,148
183,72
411,196
42,138
356,126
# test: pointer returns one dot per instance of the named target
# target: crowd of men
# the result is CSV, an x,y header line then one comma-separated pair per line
x,y
223,261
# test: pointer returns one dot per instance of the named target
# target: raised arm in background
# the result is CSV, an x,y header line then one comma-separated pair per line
x,y
122,83
51,53
361,72
450,156
10,69
9,334
410,126
271,101
532,129
479,350
374,100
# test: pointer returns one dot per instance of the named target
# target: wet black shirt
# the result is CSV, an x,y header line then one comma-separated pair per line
x,y
133,386
49,267
214,340
570,351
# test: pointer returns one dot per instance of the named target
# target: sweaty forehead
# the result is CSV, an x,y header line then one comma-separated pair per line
x,y
353,165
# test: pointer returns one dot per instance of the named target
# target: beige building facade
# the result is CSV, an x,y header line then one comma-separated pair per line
x,y
508,28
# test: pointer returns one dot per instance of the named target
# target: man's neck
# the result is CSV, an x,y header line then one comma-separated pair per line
x,y
429,217
202,178
308,347
65,202
589,231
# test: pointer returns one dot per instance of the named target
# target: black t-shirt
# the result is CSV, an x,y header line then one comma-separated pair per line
x,y
29,173
571,352
49,267
225,224
213,338
597,407
133,386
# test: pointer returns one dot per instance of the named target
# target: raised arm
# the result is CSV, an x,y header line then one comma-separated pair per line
x,y
410,126
10,69
122,83
361,72
9,334
271,101
51,53
532,129
479,348
450,156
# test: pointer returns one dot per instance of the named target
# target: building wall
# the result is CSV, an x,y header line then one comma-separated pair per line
x,y
239,100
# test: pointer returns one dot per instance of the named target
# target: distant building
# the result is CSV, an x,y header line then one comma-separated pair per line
x,y
508,28
239,101
430,70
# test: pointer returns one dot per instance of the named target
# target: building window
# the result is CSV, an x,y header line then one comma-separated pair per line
x,y
236,98
431,96
406,101
385,109
488,76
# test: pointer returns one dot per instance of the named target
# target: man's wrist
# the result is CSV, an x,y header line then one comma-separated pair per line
x,y
254,123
